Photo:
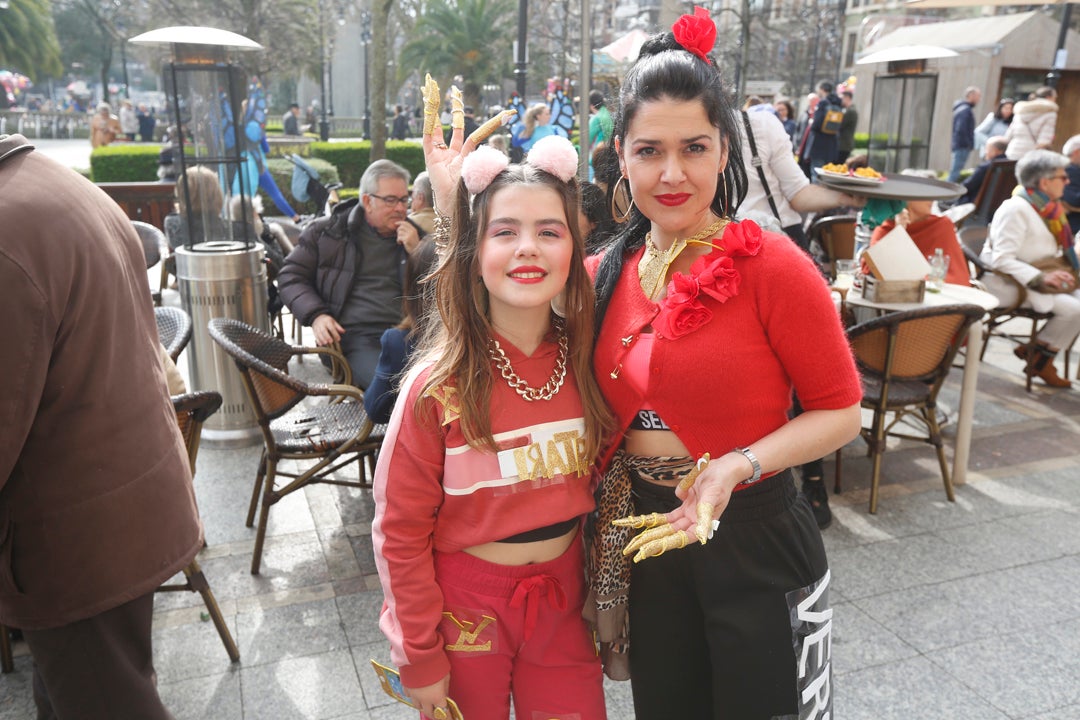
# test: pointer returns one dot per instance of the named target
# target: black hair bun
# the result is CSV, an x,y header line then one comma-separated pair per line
x,y
661,42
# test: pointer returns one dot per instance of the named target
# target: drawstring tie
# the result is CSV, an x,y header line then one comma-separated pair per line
x,y
530,590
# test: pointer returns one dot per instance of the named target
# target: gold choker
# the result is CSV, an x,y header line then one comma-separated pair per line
x,y
654,263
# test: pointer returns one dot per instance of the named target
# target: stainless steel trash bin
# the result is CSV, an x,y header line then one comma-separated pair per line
x,y
222,279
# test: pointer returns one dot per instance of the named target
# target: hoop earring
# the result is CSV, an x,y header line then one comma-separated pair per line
x,y
723,188
620,219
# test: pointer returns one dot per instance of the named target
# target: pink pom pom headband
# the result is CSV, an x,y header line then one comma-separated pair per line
x,y
553,154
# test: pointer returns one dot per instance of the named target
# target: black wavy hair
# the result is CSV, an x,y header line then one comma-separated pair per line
x,y
665,70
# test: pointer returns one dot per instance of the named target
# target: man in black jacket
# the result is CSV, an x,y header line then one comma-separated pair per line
x,y
344,278
963,130
823,145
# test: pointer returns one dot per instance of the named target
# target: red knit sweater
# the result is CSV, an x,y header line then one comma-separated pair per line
x,y
729,382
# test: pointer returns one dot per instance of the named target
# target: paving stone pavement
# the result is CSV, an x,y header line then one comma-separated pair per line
x,y
942,610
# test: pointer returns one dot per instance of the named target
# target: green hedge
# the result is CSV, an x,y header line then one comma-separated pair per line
x,y
124,163
352,158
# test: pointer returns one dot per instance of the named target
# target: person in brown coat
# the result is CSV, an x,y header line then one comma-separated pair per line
x,y
97,507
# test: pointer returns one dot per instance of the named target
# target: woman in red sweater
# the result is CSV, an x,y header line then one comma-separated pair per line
x,y
707,326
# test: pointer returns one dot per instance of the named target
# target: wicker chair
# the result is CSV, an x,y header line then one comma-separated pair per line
x,y
904,358
174,329
155,248
331,433
191,412
836,236
972,240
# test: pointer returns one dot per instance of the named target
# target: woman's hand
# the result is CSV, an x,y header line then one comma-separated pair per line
x,y
1059,279
903,218
705,493
430,697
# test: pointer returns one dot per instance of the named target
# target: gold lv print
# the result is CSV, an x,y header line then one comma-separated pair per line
x,y
468,632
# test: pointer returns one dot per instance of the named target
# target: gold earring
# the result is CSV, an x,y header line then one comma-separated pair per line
x,y
723,187
618,217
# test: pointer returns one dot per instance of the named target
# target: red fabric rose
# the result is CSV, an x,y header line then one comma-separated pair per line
x,y
742,238
717,277
696,33
682,318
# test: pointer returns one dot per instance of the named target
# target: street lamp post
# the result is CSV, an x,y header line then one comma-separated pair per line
x,y
324,125
522,59
365,40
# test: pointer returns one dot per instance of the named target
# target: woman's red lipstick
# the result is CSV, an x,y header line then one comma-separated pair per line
x,y
674,199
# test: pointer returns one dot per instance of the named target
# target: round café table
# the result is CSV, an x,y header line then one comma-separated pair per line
x,y
951,295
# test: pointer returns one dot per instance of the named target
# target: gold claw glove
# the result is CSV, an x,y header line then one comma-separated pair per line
x,y
483,132
641,521
431,104
691,477
457,108
659,537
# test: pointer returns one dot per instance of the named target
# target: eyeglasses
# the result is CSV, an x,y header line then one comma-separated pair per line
x,y
392,200
1059,177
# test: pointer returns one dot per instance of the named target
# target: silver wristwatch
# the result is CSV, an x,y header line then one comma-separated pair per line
x,y
746,453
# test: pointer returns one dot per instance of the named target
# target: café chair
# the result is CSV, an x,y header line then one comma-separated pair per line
x,y
836,236
155,248
7,659
904,358
299,421
997,187
192,410
972,240
174,329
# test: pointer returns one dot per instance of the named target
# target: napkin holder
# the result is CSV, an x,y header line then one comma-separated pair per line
x,y
893,291
898,270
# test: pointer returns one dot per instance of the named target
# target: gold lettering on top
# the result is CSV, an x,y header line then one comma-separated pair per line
x,y
573,444
468,632
556,463
560,455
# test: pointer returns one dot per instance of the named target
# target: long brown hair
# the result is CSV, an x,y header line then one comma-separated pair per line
x,y
457,347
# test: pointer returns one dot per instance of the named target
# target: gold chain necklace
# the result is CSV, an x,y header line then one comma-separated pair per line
x,y
654,264
522,388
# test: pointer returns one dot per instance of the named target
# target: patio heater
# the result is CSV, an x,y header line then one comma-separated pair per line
x,y
219,266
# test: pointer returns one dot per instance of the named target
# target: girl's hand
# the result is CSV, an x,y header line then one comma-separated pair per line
x,y
443,163
432,696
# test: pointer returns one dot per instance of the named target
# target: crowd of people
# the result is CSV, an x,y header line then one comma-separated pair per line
x,y
559,365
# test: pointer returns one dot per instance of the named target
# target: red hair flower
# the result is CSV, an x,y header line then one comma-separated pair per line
x,y
696,33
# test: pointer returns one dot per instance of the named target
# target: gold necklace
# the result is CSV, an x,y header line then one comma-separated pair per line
x,y
654,264
550,389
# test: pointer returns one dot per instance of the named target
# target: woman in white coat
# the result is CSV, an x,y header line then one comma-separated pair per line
x,y
1029,229
1032,127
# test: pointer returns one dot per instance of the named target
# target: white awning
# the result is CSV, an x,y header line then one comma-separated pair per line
x,y
906,52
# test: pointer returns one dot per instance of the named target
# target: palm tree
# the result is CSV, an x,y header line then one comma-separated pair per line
x,y
470,38
28,39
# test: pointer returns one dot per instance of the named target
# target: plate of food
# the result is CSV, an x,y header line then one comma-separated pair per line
x,y
858,176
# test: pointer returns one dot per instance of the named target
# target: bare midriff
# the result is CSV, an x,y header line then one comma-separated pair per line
x,y
502,553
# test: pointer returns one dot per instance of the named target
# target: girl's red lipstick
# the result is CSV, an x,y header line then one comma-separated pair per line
x,y
674,199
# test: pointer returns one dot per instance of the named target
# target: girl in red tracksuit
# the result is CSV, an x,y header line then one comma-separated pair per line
x,y
486,470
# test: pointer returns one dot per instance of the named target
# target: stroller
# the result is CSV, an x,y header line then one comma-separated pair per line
x,y
306,186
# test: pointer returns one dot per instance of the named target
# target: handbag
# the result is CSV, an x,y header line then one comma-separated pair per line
x,y
1056,263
